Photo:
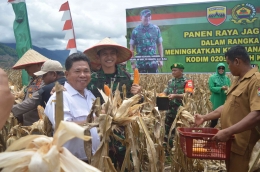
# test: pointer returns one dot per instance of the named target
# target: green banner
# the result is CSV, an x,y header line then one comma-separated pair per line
x,y
198,34
22,33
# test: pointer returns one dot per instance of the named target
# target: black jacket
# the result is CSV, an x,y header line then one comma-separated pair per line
x,y
45,91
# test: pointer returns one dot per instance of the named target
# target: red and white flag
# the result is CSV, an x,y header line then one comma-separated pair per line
x,y
15,1
68,28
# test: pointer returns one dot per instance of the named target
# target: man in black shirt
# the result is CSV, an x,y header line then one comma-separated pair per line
x,y
51,72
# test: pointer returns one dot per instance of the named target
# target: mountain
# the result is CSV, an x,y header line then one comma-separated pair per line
x,y
8,55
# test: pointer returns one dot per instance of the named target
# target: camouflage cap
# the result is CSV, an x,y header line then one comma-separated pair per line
x,y
177,65
145,12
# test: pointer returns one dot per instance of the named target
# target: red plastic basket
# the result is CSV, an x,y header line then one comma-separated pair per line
x,y
197,143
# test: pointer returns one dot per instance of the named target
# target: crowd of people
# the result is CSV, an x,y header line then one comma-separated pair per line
x,y
236,104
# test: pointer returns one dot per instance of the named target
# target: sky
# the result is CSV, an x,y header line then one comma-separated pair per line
x,y
93,20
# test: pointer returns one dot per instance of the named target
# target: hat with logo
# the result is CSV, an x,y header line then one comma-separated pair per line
x,y
31,57
177,65
145,12
48,66
123,53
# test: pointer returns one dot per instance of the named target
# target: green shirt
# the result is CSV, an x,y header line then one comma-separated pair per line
x,y
99,78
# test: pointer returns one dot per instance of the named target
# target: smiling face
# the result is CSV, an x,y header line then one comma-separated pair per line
x,y
79,76
108,57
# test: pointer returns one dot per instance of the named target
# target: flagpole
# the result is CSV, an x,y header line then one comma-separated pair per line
x,y
68,25
72,25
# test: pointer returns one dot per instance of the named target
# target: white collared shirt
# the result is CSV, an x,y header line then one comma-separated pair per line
x,y
76,108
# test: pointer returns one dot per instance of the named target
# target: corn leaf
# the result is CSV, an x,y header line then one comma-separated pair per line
x,y
133,147
109,165
255,157
71,163
124,108
150,147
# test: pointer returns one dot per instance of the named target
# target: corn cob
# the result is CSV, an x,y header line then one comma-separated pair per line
x,y
136,77
106,90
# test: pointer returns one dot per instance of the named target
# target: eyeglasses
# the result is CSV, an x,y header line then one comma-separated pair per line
x,y
221,68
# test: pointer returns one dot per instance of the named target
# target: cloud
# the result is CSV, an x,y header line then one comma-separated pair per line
x,y
93,20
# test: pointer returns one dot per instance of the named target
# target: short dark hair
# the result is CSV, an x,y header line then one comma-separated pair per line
x,y
238,51
60,73
99,51
74,58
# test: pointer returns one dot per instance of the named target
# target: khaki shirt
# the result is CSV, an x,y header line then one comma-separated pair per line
x,y
242,98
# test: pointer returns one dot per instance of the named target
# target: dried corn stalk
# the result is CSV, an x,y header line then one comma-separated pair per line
x,y
254,163
142,128
42,153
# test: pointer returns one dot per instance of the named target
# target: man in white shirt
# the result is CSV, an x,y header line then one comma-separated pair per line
x,y
77,101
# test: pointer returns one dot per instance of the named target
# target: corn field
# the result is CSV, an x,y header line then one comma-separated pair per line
x,y
143,125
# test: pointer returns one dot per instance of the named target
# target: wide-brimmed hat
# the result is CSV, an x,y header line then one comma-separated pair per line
x,y
29,58
48,66
123,53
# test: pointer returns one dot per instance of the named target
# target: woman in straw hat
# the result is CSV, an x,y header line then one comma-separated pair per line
x,y
31,61
108,54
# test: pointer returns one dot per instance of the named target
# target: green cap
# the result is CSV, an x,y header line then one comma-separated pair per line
x,y
177,65
145,12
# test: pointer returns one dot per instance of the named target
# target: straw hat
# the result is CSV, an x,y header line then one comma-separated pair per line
x,y
29,58
123,54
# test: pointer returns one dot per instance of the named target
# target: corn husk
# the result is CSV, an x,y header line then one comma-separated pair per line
x,y
43,154
254,162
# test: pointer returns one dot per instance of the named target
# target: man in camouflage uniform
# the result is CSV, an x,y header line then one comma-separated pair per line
x,y
175,92
99,78
108,54
145,38
31,61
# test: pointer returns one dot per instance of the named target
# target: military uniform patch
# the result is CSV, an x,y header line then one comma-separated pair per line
x,y
258,91
216,15
243,14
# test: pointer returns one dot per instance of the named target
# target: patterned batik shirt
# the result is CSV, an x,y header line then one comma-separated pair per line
x,y
35,84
